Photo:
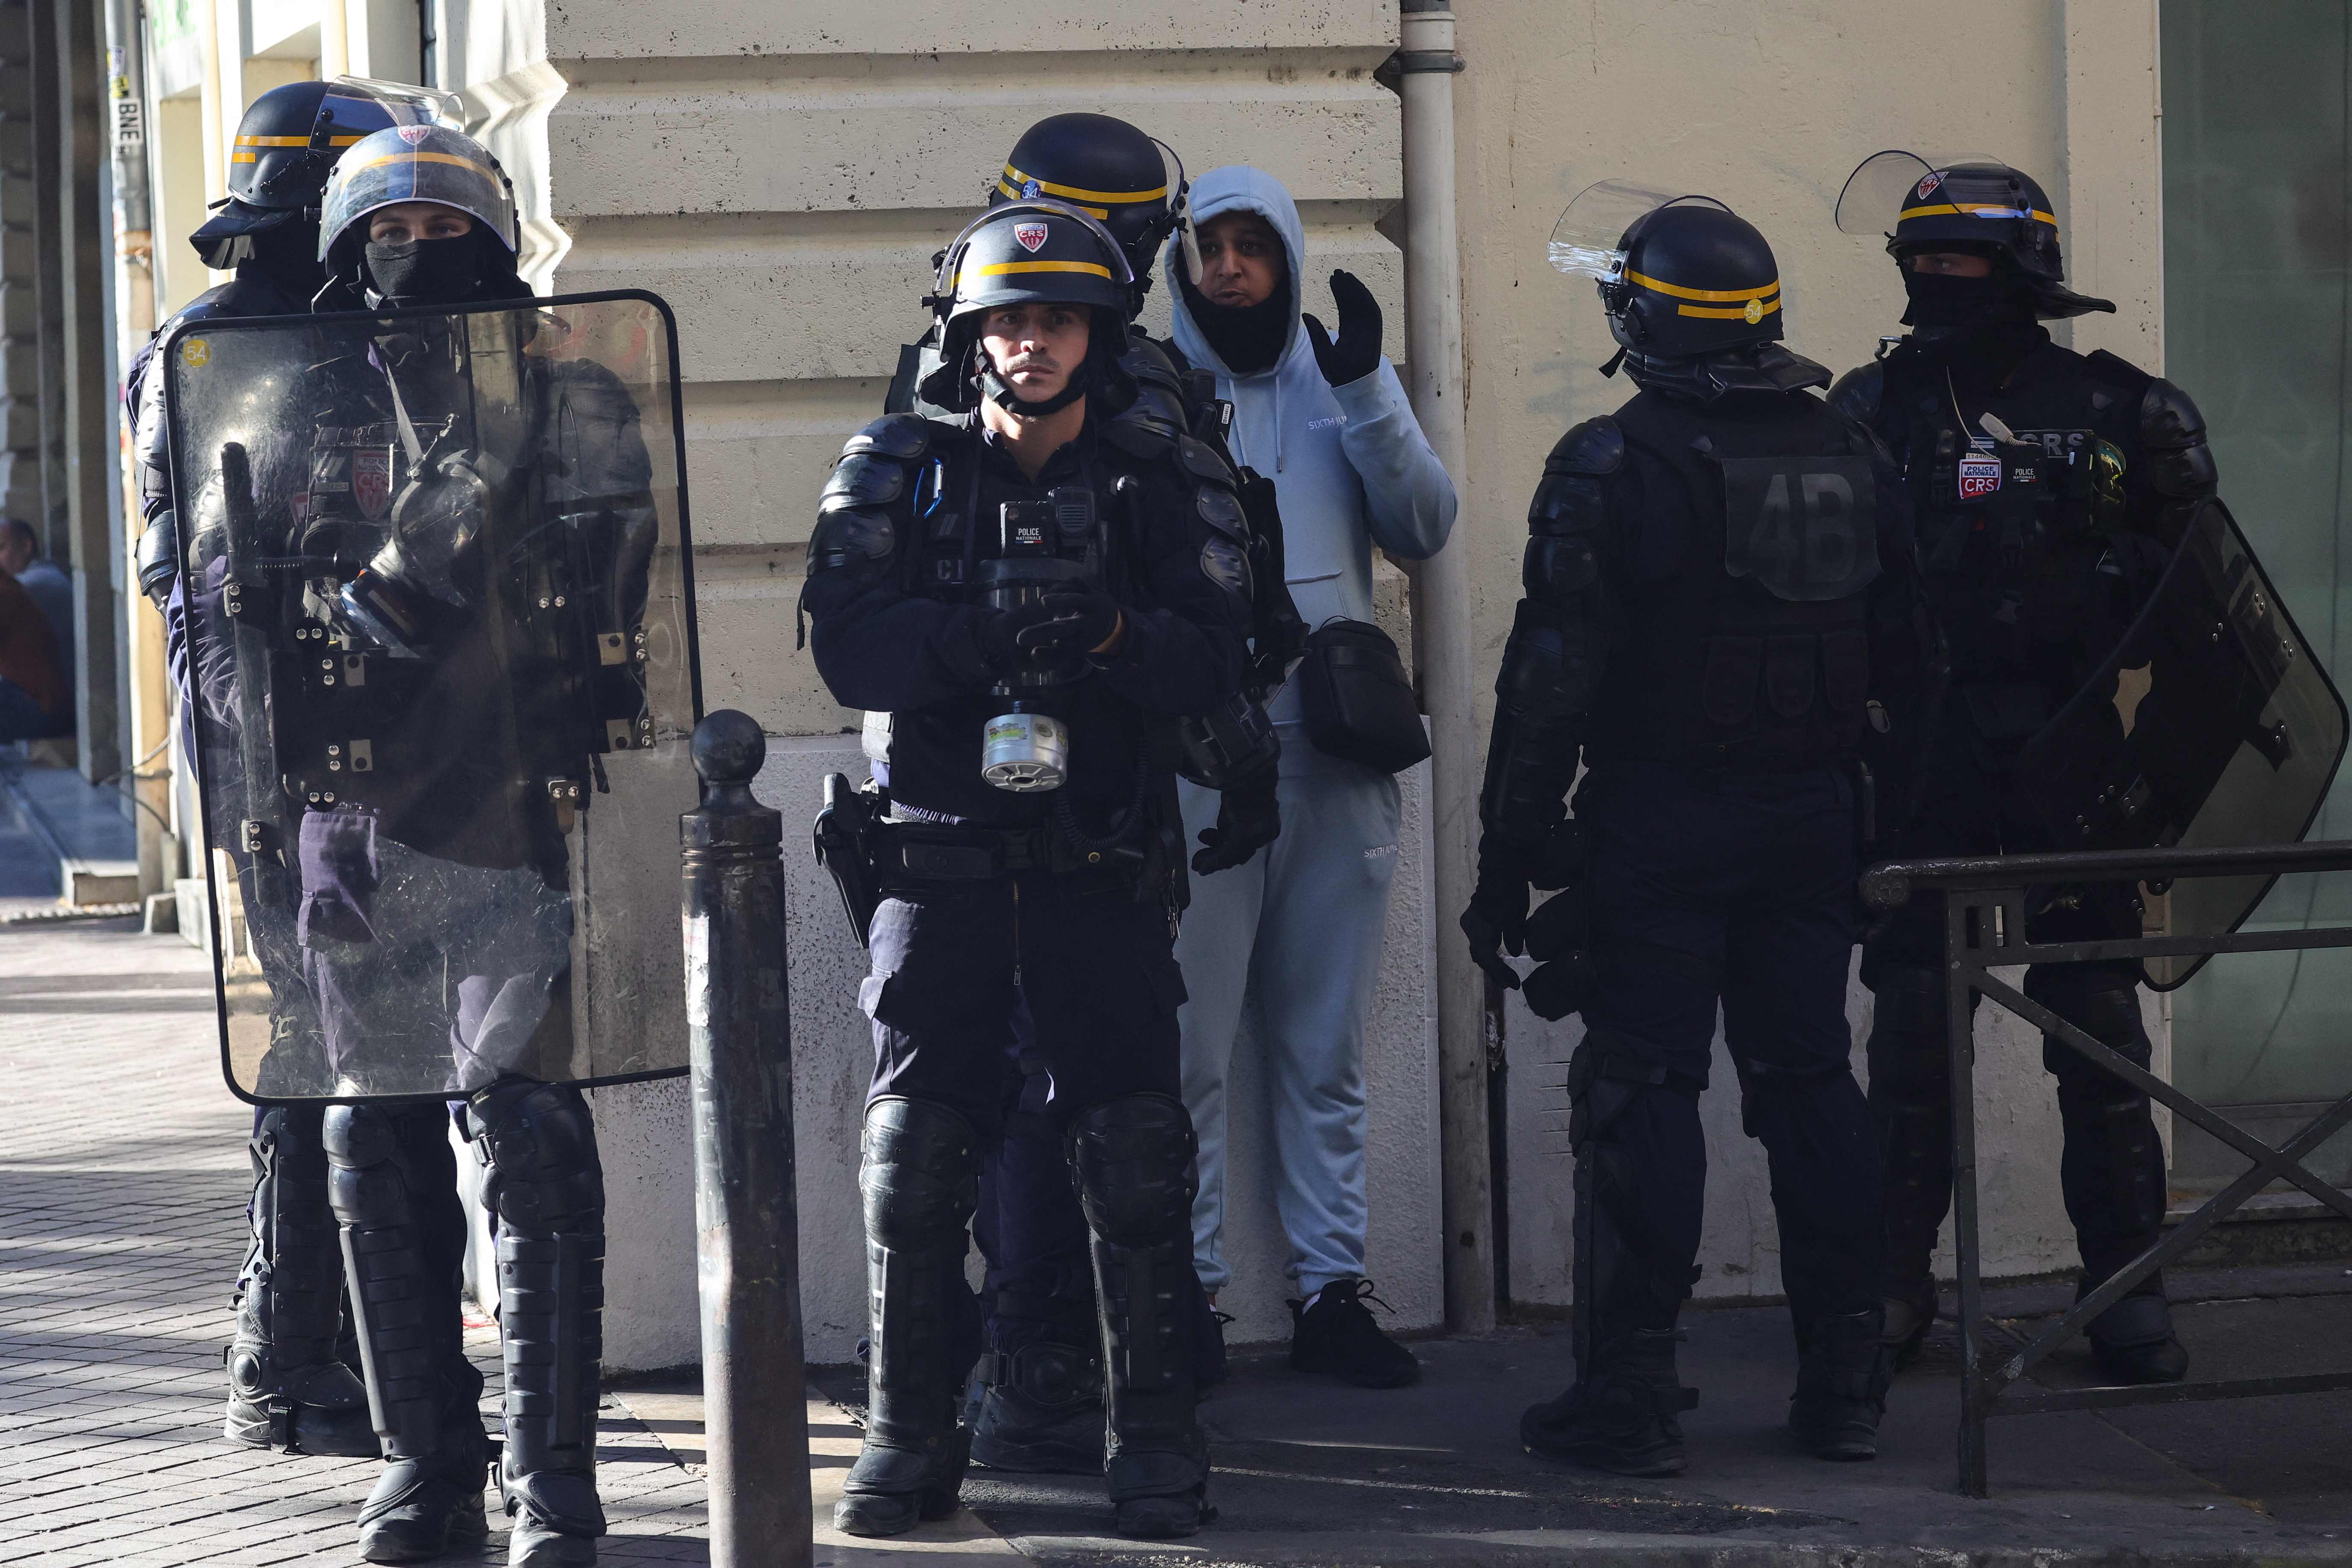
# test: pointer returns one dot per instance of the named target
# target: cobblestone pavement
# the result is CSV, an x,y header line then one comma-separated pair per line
x,y
122,1181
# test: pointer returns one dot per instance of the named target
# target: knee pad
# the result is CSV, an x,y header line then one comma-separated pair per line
x,y
1771,1098
1606,1081
544,1175
920,1175
1132,1159
381,1160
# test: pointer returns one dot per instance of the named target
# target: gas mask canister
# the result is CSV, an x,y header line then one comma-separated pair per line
x,y
1042,546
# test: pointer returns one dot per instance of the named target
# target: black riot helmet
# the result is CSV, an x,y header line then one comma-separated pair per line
x,y
1681,277
1029,252
287,145
1105,168
419,163
1975,205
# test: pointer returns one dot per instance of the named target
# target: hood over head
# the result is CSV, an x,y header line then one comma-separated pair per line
x,y
1237,187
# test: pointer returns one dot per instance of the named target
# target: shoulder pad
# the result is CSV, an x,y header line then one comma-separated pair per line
x,y
2168,417
1139,431
1203,460
2116,372
905,436
1146,359
1859,391
1596,446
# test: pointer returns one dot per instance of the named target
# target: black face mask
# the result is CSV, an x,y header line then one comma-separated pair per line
x,y
1247,337
426,271
287,253
1941,303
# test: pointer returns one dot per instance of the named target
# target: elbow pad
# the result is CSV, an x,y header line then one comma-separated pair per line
x,y
159,558
2172,437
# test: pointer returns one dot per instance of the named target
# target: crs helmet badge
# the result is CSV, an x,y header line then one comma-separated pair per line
x,y
1927,186
1031,236
413,134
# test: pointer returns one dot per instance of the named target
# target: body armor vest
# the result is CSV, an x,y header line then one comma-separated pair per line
x,y
2012,535
1747,575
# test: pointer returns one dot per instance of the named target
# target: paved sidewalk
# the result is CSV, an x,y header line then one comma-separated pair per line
x,y
122,1178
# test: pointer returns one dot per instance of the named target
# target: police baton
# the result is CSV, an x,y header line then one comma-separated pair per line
x,y
754,1403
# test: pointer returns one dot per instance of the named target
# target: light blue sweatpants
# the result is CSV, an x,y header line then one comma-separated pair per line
x,y
1306,916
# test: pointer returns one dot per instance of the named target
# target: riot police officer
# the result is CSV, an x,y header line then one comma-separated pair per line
x,y
2049,487
1708,573
289,1387
420,568
1036,593
1040,1365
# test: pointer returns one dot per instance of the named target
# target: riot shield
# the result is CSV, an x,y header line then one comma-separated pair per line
x,y
2211,725
442,672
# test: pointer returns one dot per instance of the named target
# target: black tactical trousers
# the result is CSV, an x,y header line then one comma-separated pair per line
x,y
2111,1173
1735,890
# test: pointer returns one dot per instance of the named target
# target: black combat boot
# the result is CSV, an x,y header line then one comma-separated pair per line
x,y
2133,1340
1842,1377
920,1181
1133,1160
545,1186
1623,1415
289,1387
1043,1410
429,1502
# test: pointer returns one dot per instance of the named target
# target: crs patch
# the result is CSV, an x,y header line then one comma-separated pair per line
x,y
1979,475
371,480
414,135
1031,236
1927,185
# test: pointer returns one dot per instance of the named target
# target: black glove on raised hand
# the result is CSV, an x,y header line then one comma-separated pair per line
x,y
1357,354
1559,940
1249,818
1067,621
1496,921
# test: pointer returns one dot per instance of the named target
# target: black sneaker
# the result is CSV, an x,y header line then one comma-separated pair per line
x,y
1334,1335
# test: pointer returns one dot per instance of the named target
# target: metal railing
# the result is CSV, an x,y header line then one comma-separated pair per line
x,y
1984,929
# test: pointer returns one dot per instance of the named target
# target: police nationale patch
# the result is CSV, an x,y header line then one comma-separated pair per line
x,y
414,135
1979,475
1928,184
1031,236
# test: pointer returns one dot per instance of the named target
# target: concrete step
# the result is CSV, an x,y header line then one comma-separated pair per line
x,y
85,829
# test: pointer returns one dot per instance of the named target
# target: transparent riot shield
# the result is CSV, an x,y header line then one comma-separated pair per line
x,y
2211,725
442,672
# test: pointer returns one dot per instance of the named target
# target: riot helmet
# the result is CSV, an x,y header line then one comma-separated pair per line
x,y
421,164
1972,206
1686,283
286,146
1106,169
1030,252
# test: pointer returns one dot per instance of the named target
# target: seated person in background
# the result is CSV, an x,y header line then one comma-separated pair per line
x,y
50,585
32,690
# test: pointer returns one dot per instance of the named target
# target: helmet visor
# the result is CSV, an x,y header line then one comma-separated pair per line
x,y
370,103
1115,265
443,167
1886,186
1589,239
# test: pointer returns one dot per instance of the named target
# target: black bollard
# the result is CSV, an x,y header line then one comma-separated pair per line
x,y
754,1404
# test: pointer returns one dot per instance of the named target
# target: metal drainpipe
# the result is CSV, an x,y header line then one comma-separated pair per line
x,y
1427,64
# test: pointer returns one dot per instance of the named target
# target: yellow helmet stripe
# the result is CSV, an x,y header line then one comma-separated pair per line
x,y
1098,213
1071,192
1758,291
1093,269
291,140
1943,209
1731,312
346,173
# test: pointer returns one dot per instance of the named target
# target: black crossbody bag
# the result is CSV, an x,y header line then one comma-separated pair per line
x,y
1358,703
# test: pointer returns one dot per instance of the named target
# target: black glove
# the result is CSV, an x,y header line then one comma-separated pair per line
x,y
1067,621
1357,354
1249,818
1496,921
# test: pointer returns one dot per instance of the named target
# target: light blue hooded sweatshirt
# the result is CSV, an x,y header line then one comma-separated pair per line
x,y
1350,463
